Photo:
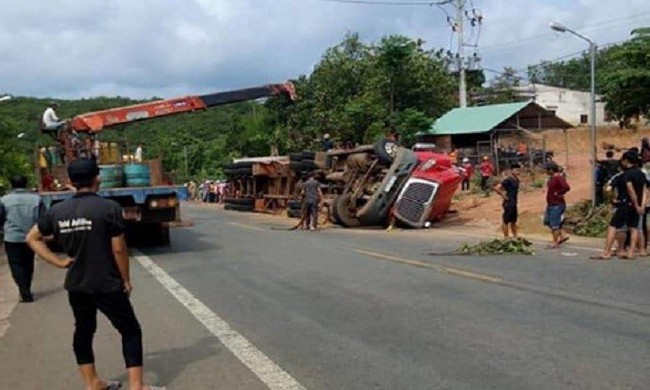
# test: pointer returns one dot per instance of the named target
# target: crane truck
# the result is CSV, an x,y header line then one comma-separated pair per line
x,y
148,208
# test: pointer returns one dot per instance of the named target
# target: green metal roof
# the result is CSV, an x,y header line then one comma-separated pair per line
x,y
473,120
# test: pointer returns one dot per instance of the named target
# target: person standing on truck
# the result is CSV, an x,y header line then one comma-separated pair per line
x,y
91,232
487,171
19,211
327,143
312,195
557,187
50,122
138,153
508,189
469,173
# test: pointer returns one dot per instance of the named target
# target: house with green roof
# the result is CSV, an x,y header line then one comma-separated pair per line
x,y
483,126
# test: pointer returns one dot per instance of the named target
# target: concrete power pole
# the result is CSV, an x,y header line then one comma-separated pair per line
x,y
462,87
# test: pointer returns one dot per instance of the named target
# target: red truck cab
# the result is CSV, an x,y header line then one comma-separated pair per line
x,y
428,193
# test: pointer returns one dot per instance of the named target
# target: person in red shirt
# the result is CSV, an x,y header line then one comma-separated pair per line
x,y
487,171
469,173
555,204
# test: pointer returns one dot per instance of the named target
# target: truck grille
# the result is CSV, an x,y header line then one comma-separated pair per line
x,y
410,210
413,202
419,192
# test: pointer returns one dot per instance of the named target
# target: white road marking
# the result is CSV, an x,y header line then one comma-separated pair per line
x,y
272,375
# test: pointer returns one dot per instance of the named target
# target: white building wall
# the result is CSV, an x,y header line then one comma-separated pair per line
x,y
569,105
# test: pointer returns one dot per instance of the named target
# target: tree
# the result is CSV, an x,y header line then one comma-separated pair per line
x,y
625,79
502,88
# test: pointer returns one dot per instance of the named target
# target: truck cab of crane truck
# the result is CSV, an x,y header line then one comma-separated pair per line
x,y
427,194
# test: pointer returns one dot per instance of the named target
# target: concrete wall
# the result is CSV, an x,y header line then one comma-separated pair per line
x,y
568,104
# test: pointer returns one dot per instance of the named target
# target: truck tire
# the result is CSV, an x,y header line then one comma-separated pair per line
x,y
342,213
293,213
294,205
385,150
295,157
238,207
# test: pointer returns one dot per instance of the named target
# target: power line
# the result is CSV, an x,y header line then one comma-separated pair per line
x,y
393,3
594,26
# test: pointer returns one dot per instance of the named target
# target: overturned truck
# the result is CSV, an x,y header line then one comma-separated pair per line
x,y
381,183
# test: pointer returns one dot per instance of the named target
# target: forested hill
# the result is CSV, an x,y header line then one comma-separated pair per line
x,y
210,137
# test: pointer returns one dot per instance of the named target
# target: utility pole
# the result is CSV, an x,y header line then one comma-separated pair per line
x,y
462,87
457,12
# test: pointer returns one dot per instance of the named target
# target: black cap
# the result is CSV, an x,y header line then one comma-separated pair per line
x,y
632,157
82,170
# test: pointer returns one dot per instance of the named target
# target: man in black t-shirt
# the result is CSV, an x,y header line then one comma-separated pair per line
x,y
629,206
508,189
91,232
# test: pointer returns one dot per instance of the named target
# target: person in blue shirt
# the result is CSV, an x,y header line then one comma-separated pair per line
x,y
19,211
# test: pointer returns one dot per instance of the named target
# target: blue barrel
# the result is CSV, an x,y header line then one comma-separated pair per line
x,y
112,176
137,175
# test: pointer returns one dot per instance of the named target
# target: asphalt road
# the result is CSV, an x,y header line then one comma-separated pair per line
x,y
341,309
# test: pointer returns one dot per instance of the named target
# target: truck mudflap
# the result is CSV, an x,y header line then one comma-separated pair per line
x,y
376,209
414,202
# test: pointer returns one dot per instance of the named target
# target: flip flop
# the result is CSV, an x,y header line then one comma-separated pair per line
x,y
113,385
600,257
563,240
628,258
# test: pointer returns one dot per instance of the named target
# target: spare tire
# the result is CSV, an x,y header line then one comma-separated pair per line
x,y
342,213
291,213
294,204
385,150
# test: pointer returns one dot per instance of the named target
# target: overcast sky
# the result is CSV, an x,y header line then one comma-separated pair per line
x,y
142,48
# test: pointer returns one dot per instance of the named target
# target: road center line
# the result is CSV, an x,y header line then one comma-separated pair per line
x,y
272,375
442,269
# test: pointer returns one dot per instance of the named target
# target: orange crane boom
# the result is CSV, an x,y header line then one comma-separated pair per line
x,y
94,122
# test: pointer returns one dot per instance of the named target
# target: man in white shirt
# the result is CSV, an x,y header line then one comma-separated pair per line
x,y
138,153
50,121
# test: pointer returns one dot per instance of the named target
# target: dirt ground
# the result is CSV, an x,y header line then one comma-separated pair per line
x,y
478,210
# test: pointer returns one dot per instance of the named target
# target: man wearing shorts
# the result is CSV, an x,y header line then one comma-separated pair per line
x,y
555,204
630,208
508,189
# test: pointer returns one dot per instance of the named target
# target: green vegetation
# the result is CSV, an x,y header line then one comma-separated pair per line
x,y
584,221
519,246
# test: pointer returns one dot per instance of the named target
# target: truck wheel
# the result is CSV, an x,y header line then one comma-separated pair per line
x,y
294,213
342,213
385,150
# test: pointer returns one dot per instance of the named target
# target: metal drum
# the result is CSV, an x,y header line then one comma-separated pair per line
x,y
112,176
137,175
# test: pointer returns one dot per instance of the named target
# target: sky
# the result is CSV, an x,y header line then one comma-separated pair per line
x,y
168,48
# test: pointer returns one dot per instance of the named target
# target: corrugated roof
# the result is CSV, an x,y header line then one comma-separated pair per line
x,y
471,120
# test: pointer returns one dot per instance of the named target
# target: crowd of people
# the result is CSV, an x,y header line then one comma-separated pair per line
x,y
209,191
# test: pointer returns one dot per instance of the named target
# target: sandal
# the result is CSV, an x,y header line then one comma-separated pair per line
x,y
599,257
625,257
563,240
113,385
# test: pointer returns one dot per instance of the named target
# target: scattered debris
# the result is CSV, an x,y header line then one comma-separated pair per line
x,y
519,246
582,220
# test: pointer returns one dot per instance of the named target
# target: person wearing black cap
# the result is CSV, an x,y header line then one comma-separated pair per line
x,y
630,206
91,232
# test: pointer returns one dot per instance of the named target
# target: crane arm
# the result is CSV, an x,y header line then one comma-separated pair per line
x,y
94,122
